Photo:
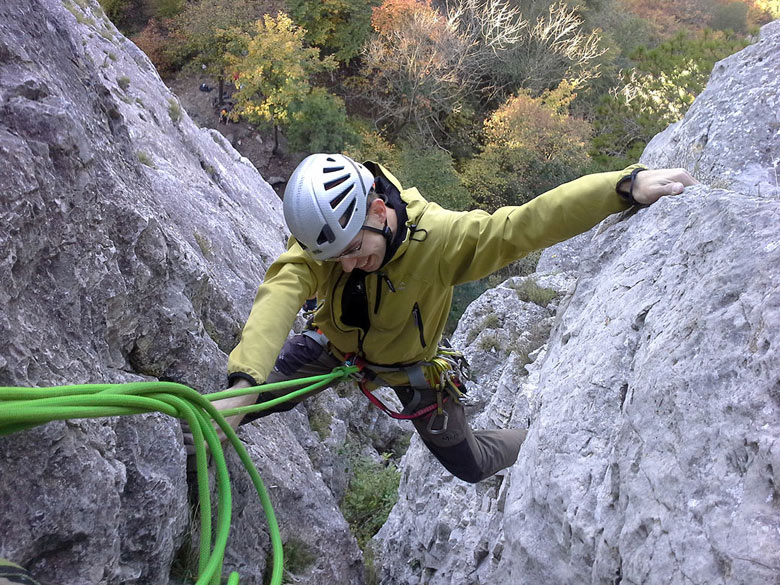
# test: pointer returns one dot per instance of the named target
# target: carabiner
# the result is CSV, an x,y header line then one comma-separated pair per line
x,y
443,427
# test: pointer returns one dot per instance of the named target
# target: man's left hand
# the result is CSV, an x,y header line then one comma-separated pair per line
x,y
652,184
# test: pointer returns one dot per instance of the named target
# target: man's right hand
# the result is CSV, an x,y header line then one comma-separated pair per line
x,y
224,404
236,402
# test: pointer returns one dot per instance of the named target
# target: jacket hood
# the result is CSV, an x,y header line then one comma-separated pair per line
x,y
416,204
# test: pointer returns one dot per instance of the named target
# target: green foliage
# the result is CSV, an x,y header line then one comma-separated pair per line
x,y
370,572
273,68
431,170
319,422
184,565
656,92
116,10
490,343
490,321
204,32
123,81
174,110
144,158
371,145
372,493
731,16
298,557
318,123
462,297
531,146
529,291
339,27
166,8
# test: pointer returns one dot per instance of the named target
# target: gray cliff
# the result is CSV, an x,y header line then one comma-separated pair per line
x,y
653,455
132,246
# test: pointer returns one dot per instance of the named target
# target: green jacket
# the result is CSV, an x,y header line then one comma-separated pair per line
x,y
409,298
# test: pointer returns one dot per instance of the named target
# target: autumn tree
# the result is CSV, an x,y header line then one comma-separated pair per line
x,y
206,30
427,65
273,70
769,7
339,27
553,47
418,66
531,145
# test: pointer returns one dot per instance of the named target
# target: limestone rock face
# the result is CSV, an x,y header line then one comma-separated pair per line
x,y
652,455
132,246
730,137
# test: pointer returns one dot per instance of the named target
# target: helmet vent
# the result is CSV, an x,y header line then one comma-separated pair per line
x,y
344,219
333,169
326,235
335,182
336,201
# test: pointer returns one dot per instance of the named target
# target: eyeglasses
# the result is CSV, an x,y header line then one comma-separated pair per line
x,y
351,252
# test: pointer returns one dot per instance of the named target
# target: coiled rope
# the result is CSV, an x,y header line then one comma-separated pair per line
x,y
24,408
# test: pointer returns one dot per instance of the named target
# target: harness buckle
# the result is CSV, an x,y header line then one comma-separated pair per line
x,y
438,430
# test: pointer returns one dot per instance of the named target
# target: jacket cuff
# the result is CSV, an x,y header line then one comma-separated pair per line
x,y
235,376
625,185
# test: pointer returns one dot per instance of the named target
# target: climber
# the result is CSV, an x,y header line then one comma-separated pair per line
x,y
383,262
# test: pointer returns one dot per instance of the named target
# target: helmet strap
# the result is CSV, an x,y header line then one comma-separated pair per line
x,y
386,231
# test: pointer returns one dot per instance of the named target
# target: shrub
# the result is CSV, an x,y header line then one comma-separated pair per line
x,y
490,343
123,82
166,8
656,91
530,292
144,158
319,422
431,170
731,16
156,43
371,145
372,493
174,110
531,146
339,27
116,10
318,123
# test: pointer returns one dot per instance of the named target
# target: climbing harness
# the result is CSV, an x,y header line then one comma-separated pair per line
x,y
445,374
24,408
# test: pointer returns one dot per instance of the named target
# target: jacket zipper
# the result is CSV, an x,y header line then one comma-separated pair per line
x,y
419,322
361,334
380,276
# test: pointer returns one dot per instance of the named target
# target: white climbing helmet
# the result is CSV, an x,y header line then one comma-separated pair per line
x,y
325,203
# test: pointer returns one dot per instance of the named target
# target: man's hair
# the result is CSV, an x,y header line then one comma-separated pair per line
x,y
373,196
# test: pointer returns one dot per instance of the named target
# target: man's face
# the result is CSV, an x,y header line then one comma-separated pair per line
x,y
367,250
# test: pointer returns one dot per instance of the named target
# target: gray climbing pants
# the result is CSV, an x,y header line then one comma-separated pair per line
x,y
469,455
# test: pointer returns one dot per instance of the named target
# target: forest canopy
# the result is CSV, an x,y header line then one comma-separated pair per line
x,y
479,103
592,80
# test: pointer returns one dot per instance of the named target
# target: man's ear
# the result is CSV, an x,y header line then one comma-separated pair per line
x,y
378,210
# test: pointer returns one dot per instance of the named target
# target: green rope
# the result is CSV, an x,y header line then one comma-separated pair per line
x,y
25,408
